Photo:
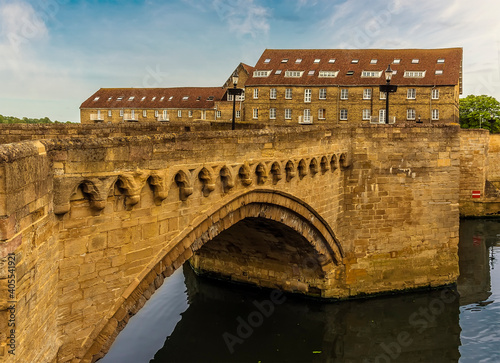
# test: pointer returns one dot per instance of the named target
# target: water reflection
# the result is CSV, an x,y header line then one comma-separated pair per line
x,y
418,327
230,323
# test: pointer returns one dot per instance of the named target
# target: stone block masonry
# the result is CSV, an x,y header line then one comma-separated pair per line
x,y
96,224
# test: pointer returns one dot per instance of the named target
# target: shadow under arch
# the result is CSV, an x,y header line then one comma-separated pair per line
x,y
264,204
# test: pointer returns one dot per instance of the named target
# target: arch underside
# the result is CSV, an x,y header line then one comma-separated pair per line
x,y
275,240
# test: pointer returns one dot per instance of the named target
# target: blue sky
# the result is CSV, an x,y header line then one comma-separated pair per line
x,y
56,53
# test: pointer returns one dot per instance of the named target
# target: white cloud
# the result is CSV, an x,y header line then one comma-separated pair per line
x,y
20,24
243,16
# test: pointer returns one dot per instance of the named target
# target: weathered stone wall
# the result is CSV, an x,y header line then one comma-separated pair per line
x,y
379,213
29,253
494,158
10,133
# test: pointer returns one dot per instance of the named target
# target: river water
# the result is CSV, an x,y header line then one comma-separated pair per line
x,y
192,319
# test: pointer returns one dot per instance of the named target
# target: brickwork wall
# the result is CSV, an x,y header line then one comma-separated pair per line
x,y
447,104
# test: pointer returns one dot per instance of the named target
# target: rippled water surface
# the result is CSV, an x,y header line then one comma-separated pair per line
x,y
190,319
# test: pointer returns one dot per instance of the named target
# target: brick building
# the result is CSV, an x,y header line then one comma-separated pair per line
x,y
304,86
335,86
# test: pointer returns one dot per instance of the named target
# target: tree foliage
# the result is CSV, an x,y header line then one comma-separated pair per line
x,y
477,111
25,120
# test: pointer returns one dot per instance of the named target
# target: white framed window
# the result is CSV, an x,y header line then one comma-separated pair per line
x,y
218,114
410,114
321,114
371,74
381,115
165,115
131,98
415,61
99,114
272,93
288,113
255,113
230,96
310,73
272,113
322,93
307,95
344,94
439,72
278,71
435,94
414,74
343,114
396,61
203,115
255,93
258,74
298,60
373,61
121,113
440,60
238,114
294,74
185,98
383,95
331,60
411,94
284,60
307,115
109,113
366,114
156,113
316,61
144,113
267,60
367,94
328,74
132,114
179,113
435,114
288,94
355,61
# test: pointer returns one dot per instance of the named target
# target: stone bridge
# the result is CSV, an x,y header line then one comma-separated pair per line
x,y
95,225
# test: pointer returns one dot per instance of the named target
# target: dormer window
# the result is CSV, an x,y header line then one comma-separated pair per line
x,y
328,74
294,74
414,74
198,98
210,98
316,61
371,74
261,73
267,60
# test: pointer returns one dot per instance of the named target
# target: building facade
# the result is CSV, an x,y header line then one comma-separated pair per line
x,y
304,86
340,86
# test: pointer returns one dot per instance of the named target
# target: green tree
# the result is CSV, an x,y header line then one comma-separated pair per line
x,y
477,111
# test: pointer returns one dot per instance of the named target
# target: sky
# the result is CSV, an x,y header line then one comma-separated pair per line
x,y
54,54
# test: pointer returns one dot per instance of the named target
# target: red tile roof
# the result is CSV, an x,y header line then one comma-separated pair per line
x,y
248,68
197,97
427,61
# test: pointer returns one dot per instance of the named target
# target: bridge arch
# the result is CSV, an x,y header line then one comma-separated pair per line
x,y
276,207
